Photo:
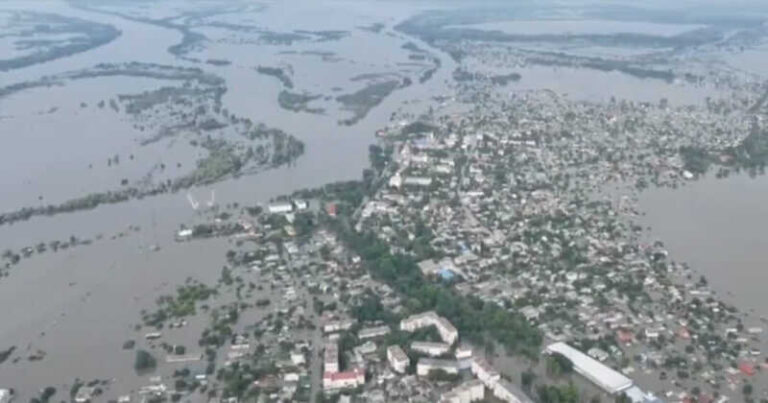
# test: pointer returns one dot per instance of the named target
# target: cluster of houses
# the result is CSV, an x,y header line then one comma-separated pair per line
x,y
462,360
447,357
513,223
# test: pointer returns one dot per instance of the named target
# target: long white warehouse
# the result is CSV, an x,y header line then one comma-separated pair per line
x,y
601,375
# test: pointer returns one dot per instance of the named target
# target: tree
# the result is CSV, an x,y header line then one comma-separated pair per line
x,y
558,364
144,361
439,375
747,389
557,394
48,392
526,379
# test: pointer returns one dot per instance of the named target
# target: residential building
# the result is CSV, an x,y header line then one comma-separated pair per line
x,y
331,361
397,359
337,326
280,208
447,331
467,392
463,352
366,348
415,322
484,371
417,181
371,332
430,348
344,380
425,365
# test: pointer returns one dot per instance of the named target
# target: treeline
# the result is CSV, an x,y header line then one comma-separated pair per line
x,y
278,73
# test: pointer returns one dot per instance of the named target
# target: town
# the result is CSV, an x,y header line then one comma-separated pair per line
x,y
493,248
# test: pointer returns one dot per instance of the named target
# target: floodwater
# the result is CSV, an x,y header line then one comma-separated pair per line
x,y
79,305
752,61
48,164
579,84
718,227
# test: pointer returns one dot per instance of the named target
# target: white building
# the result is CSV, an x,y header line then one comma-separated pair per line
x,y
467,392
425,365
84,394
331,361
430,348
417,181
530,313
420,159
371,332
301,204
463,355
396,181
636,395
606,378
463,352
484,371
280,208
397,359
297,358
415,322
366,348
337,326
343,380
597,354
5,395
447,331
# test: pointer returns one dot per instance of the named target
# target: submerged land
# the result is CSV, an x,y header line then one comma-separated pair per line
x,y
377,202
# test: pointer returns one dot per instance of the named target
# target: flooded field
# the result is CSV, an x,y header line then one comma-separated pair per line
x,y
717,227
579,84
56,166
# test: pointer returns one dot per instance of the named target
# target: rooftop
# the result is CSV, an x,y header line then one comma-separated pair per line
x,y
603,376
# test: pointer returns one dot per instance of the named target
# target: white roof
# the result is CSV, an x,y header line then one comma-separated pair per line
x,y
603,376
635,395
